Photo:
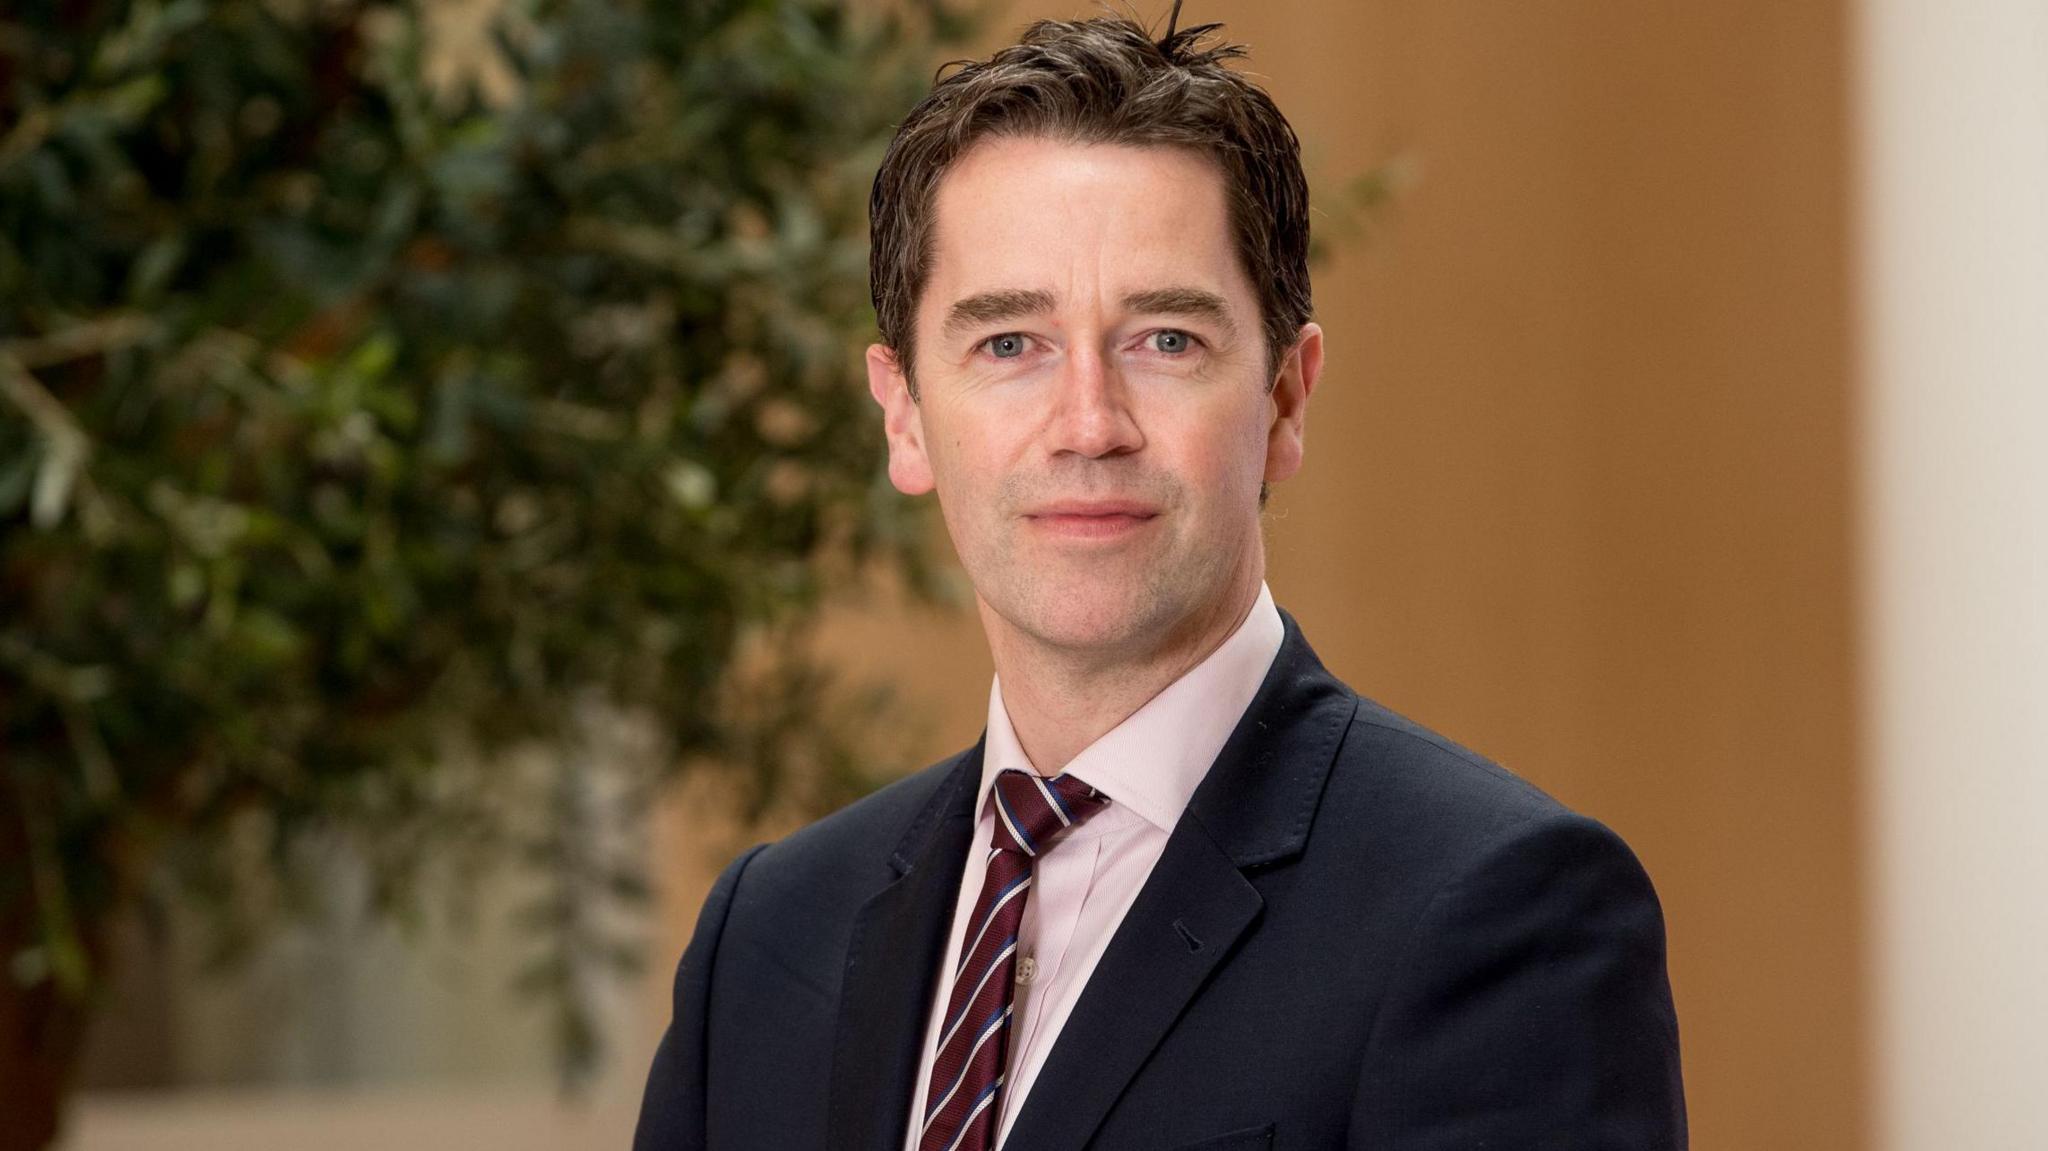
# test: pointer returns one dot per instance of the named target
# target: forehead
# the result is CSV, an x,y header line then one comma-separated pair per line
x,y
1075,219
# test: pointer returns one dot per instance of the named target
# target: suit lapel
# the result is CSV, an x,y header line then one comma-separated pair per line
x,y
1187,918
1253,808
892,959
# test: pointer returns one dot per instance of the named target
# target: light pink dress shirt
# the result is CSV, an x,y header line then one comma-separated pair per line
x,y
1149,765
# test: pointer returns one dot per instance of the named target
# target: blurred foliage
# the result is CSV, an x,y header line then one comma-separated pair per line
x,y
357,432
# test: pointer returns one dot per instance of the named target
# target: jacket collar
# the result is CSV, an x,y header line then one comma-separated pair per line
x,y
1257,801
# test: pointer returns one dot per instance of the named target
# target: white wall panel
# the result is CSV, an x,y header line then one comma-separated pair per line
x,y
1954,118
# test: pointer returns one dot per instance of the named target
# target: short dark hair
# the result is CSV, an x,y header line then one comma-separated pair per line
x,y
1101,81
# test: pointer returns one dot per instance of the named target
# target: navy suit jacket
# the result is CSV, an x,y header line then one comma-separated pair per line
x,y
1359,935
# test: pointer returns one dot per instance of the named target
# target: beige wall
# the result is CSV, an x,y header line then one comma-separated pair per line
x,y
1576,490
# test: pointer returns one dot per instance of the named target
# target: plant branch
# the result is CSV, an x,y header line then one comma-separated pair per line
x,y
92,337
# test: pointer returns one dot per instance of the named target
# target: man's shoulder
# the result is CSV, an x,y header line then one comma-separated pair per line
x,y
1386,767
1409,754
1401,791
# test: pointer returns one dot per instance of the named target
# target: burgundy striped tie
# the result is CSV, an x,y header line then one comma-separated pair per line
x,y
967,1077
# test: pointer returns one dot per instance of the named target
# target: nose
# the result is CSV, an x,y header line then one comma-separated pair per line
x,y
1092,415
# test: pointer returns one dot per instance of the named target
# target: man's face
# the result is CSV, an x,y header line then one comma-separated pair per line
x,y
1094,406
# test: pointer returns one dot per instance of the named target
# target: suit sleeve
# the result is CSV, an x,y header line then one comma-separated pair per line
x,y
672,1110
1531,1008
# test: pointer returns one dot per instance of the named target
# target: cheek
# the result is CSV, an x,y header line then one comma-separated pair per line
x,y
1231,449
974,446
953,457
963,474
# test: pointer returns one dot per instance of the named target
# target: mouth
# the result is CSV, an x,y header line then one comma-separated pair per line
x,y
1092,519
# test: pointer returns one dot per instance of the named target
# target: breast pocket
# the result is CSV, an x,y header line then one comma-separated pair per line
x,y
1249,1139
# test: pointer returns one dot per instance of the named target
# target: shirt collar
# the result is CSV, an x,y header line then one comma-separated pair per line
x,y
1152,762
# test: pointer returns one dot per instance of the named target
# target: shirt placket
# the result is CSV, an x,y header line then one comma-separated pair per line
x,y
1069,873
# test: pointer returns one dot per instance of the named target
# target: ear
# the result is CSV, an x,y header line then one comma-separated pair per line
x,y
1299,371
902,422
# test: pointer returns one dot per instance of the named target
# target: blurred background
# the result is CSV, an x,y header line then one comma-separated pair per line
x,y
1683,446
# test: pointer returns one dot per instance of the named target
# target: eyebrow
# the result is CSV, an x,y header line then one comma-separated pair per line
x,y
1195,302
997,306
1002,304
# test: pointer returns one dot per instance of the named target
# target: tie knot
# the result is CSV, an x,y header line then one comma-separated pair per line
x,y
1032,812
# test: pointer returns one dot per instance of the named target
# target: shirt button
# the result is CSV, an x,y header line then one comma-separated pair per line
x,y
1027,970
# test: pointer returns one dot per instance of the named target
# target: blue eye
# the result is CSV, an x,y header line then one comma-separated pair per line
x,y
1171,342
1006,347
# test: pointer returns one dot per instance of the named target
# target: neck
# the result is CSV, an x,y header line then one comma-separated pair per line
x,y
1060,700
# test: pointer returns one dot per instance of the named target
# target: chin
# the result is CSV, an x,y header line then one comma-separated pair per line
x,y
1093,619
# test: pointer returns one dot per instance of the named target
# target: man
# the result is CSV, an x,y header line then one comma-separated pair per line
x,y
1189,891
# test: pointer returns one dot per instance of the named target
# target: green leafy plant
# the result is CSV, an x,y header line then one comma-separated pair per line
x,y
357,431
